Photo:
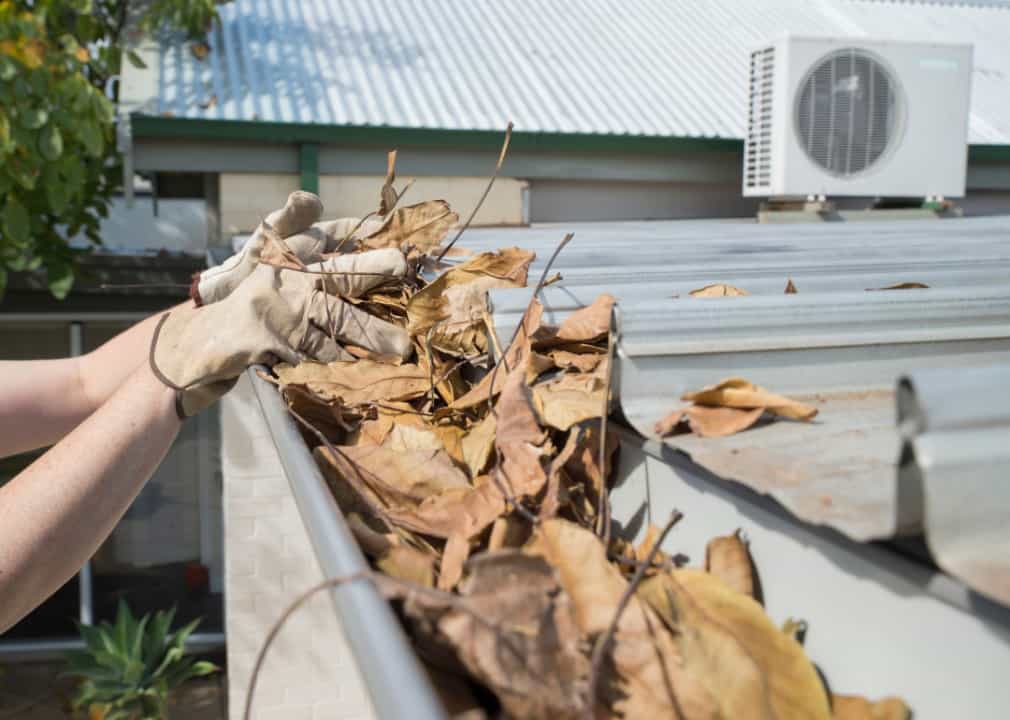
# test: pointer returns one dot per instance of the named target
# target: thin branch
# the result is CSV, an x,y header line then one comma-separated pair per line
x,y
497,167
453,601
496,474
522,322
603,501
603,642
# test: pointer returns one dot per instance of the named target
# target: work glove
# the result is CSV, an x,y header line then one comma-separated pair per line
x,y
275,314
296,223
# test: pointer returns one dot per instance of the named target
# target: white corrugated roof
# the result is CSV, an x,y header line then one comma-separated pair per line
x,y
648,67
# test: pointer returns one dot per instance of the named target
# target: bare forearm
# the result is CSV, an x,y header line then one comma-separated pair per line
x,y
43,400
56,513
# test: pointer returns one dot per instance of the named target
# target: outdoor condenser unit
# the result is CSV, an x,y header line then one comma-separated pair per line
x,y
854,116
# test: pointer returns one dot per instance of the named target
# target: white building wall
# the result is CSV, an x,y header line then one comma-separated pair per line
x,y
309,673
246,198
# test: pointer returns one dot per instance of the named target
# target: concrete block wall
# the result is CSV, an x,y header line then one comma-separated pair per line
x,y
309,672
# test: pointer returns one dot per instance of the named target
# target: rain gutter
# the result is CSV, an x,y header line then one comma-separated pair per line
x,y
396,682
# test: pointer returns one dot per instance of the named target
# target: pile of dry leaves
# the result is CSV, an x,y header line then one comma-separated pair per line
x,y
475,476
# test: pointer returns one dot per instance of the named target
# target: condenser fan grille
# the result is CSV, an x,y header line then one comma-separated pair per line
x,y
846,112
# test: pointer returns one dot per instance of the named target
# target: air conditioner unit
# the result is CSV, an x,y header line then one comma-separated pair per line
x,y
854,116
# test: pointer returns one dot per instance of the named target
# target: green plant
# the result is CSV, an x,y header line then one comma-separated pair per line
x,y
130,668
59,166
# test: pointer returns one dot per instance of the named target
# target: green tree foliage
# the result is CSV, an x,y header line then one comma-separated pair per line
x,y
58,161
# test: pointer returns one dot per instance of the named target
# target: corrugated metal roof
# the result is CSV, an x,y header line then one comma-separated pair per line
x,y
585,66
833,343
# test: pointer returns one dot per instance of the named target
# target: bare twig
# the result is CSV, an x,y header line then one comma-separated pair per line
x,y
497,167
604,640
496,474
450,600
522,322
603,501
431,364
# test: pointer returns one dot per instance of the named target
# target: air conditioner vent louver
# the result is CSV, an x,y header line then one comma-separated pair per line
x,y
757,164
846,112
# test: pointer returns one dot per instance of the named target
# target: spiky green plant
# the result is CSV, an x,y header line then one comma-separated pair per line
x,y
130,668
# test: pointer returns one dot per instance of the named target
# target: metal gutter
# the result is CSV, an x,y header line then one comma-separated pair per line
x,y
396,683
955,464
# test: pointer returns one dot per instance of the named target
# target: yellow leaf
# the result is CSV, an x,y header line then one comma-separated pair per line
x,y
421,227
718,290
852,707
359,381
729,646
645,669
82,54
740,393
728,558
709,421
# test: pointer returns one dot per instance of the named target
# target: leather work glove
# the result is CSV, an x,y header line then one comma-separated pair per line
x,y
296,223
275,314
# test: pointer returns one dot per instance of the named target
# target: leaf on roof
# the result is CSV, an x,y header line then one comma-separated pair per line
x,y
740,393
708,421
718,290
728,558
790,288
902,286
852,707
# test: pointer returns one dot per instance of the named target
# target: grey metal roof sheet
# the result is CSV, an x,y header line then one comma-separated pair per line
x,y
833,343
585,66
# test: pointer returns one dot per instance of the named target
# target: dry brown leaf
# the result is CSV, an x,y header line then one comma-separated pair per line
x,y
450,572
740,393
422,226
642,550
555,492
728,558
466,511
721,421
790,288
519,637
357,381
570,399
718,290
516,353
276,252
408,564
853,707
728,645
581,362
478,444
375,430
584,464
582,326
903,286
464,306
707,421
388,195
519,439
454,694
398,478
644,677
508,531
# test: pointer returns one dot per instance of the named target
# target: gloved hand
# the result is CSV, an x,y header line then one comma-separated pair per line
x,y
275,314
296,223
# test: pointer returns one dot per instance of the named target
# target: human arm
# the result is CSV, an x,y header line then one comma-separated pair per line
x,y
43,400
56,512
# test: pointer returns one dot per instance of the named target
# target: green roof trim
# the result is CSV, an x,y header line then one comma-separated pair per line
x,y
989,152
147,126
